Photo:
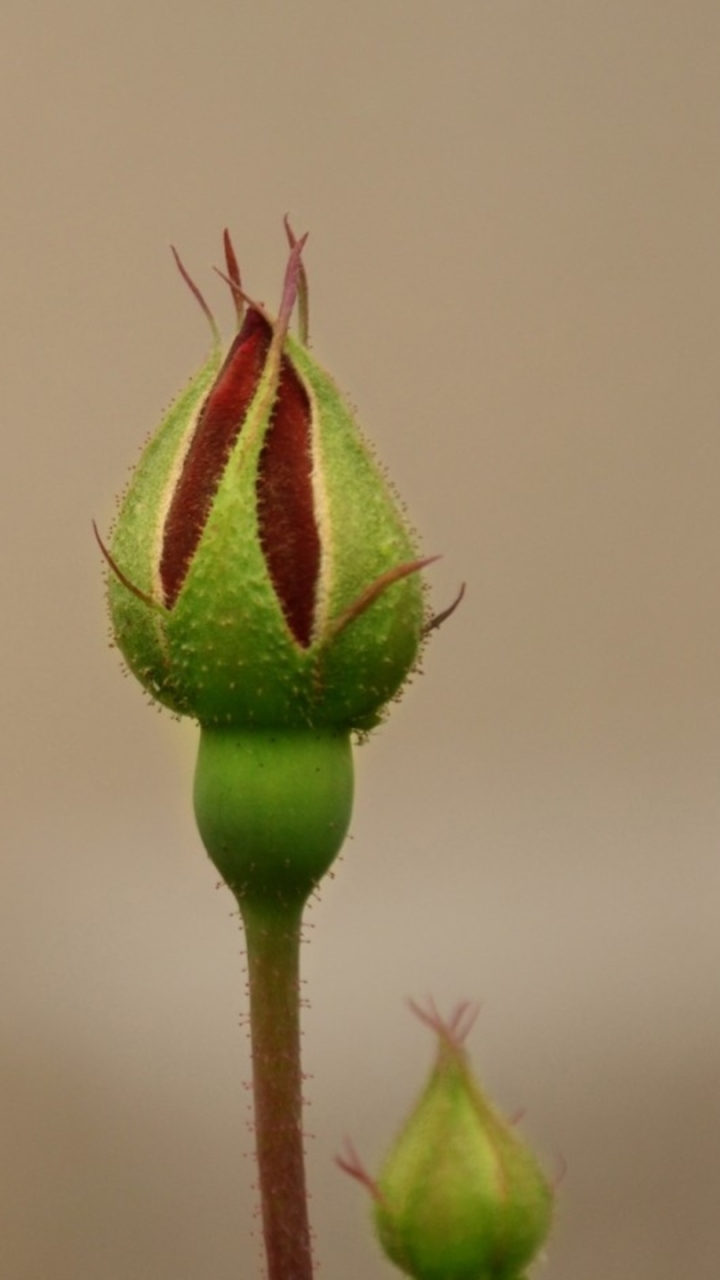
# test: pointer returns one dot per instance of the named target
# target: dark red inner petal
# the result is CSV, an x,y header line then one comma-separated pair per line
x,y
288,533
218,427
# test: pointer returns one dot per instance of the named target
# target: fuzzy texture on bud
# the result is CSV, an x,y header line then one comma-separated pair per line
x,y
262,574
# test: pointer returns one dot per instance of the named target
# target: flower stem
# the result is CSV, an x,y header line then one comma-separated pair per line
x,y
273,807
273,946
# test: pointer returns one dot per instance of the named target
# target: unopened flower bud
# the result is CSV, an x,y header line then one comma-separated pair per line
x,y
263,575
460,1196
263,580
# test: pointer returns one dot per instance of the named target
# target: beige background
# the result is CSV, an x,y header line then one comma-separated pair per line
x,y
514,210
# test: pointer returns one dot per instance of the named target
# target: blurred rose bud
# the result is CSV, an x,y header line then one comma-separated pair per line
x,y
460,1196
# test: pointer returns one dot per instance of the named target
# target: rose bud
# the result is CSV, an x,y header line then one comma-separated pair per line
x,y
264,575
459,1197
264,581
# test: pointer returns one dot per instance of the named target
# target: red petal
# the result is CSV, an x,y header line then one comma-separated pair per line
x,y
288,532
217,430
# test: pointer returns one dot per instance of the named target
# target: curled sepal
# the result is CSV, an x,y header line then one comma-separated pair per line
x,y
460,1196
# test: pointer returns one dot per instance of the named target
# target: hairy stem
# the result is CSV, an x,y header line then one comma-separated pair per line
x,y
273,946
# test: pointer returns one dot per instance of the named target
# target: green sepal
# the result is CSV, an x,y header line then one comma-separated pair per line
x,y
364,534
139,630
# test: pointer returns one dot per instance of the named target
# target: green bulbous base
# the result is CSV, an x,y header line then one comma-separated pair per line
x,y
273,808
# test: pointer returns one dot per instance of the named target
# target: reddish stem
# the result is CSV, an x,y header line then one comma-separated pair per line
x,y
273,947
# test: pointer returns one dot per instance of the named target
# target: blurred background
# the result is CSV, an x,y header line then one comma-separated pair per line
x,y
513,212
